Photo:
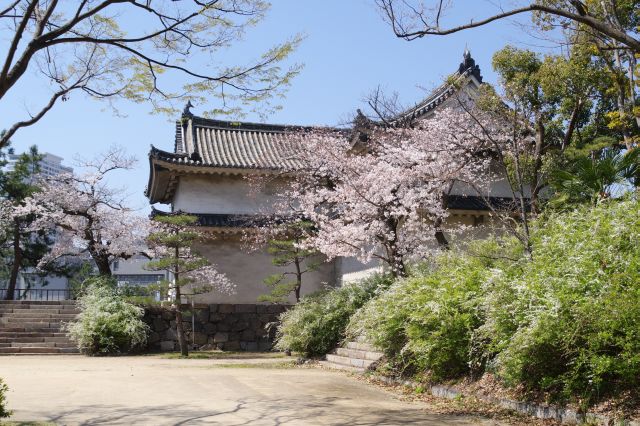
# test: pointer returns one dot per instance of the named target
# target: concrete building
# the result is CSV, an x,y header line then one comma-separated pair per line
x,y
205,175
50,165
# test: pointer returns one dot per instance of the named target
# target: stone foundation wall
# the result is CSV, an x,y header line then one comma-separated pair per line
x,y
220,326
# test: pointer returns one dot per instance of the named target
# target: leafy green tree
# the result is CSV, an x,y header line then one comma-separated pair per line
x,y
595,178
136,51
286,245
174,246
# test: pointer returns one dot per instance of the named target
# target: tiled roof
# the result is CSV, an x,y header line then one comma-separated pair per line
x,y
222,220
226,144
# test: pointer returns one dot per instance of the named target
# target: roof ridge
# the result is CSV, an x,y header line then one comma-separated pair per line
x,y
246,125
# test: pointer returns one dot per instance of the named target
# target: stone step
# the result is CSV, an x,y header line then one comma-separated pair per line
x,y
22,339
359,354
351,362
31,325
361,346
38,310
40,345
14,334
38,350
38,302
14,329
334,366
28,313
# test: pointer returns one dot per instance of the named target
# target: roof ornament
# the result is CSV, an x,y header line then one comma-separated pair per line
x,y
186,112
468,65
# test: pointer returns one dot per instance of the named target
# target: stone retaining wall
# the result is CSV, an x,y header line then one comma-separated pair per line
x,y
220,326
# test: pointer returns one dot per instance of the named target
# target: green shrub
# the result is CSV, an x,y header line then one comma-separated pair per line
x,y
4,412
568,321
107,324
316,324
425,323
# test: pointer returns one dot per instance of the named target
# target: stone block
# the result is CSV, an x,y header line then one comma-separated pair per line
x,y
167,345
168,315
233,345
245,308
226,308
153,338
249,346
199,338
215,317
221,337
264,346
248,334
234,336
230,319
262,309
170,334
275,309
202,315
159,324
209,328
240,325
213,308
265,318
223,327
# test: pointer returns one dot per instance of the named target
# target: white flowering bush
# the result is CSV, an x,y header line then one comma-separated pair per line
x,y
317,324
568,321
425,323
108,324
565,322
4,411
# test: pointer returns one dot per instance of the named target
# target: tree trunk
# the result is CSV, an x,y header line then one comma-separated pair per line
x,y
439,234
104,268
298,279
537,165
17,260
182,338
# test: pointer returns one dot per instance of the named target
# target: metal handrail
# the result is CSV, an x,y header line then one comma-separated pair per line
x,y
44,294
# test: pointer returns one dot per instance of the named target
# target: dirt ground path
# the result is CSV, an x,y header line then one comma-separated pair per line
x,y
147,390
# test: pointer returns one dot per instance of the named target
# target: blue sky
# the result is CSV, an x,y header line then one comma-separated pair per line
x,y
347,52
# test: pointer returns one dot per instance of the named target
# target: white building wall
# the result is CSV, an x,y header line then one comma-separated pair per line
x,y
223,195
248,270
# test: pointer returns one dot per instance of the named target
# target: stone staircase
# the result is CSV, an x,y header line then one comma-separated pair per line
x,y
356,357
35,327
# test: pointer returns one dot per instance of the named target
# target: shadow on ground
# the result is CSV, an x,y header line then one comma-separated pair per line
x,y
319,411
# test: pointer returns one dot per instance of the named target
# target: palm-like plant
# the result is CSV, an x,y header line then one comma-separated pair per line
x,y
592,179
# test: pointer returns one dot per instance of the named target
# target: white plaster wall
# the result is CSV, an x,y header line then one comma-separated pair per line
x,y
248,270
223,194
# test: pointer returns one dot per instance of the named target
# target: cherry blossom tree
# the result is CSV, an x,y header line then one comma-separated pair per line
x,y
88,216
382,197
172,240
